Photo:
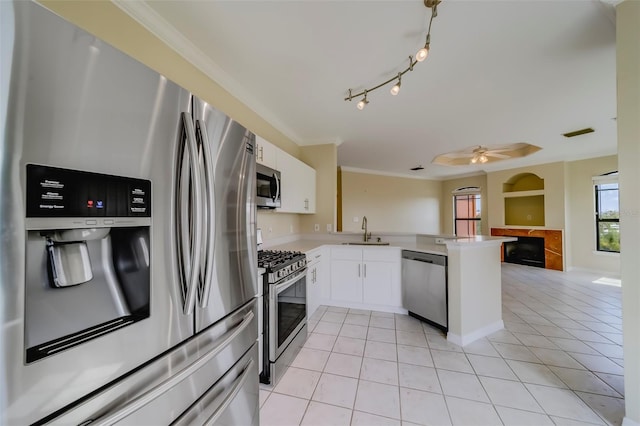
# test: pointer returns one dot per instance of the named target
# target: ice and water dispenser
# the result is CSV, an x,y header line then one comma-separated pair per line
x,y
88,257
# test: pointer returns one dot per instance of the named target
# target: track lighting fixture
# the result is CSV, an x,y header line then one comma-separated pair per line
x,y
421,55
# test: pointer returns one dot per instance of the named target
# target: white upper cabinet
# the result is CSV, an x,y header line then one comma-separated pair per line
x,y
298,185
266,153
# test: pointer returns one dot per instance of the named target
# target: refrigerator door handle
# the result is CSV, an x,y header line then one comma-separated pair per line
x,y
166,385
209,220
231,394
193,230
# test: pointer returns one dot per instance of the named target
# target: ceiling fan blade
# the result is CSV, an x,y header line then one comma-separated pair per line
x,y
495,154
459,154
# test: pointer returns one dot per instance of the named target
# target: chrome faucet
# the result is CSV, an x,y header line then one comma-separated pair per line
x,y
364,226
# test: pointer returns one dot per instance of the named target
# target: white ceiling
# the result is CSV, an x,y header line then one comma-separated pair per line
x,y
498,72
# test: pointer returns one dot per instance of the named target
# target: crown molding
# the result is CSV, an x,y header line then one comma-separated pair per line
x,y
381,173
142,13
408,176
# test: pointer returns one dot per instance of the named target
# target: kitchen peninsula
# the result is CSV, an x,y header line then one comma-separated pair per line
x,y
473,274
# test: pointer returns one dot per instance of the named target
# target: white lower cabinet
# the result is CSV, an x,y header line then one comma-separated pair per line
x,y
317,284
379,285
346,280
368,277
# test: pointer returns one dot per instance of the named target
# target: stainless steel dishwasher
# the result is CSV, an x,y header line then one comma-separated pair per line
x,y
424,287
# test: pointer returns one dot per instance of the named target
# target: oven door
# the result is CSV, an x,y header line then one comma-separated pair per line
x,y
287,312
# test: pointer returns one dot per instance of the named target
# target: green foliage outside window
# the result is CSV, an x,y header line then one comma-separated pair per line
x,y
608,217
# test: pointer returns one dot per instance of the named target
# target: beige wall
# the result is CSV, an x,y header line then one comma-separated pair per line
x,y
324,159
448,186
580,247
628,77
276,225
392,204
554,193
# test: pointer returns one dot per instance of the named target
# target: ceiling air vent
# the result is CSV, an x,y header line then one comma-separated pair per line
x,y
578,132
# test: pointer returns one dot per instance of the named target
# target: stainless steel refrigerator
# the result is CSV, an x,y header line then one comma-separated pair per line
x,y
127,244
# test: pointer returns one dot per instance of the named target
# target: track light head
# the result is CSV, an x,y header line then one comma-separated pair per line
x,y
396,88
363,102
422,54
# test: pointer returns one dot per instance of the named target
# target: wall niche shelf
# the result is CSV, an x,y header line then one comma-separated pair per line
x,y
523,197
523,193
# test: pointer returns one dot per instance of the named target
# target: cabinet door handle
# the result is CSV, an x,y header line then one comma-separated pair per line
x,y
359,270
365,270
261,153
306,204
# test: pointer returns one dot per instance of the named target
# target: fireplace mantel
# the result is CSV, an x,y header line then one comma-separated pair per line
x,y
553,253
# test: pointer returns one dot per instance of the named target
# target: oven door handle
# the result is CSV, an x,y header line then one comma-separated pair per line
x,y
279,288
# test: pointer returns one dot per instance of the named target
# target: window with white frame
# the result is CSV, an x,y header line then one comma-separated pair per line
x,y
467,205
607,212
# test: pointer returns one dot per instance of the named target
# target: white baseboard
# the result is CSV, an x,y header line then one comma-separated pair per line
x,y
628,422
594,271
365,306
478,334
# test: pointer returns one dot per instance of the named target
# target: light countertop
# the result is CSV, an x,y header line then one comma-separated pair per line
x,y
306,246
419,242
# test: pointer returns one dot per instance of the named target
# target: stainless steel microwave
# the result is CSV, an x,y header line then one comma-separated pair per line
x,y
268,193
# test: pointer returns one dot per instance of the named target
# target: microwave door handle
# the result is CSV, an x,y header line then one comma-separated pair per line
x,y
210,219
277,187
196,234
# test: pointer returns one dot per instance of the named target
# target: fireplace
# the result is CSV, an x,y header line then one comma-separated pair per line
x,y
526,251
553,246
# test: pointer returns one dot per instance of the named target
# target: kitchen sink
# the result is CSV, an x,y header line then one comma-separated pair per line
x,y
366,243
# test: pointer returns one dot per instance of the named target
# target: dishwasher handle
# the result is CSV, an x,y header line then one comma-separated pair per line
x,y
434,259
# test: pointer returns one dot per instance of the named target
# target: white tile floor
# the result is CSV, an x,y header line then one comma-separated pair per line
x,y
558,361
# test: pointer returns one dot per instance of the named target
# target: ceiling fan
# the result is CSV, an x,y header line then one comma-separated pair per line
x,y
479,154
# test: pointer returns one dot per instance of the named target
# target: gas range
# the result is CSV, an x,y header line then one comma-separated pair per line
x,y
281,264
285,310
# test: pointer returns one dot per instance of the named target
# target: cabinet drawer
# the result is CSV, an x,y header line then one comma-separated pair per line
x,y
381,254
346,253
314,256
